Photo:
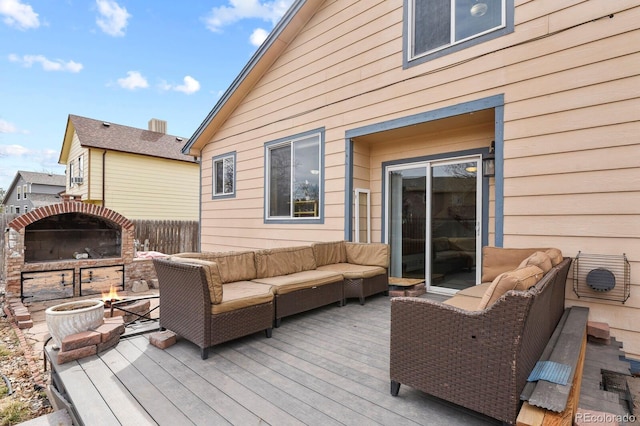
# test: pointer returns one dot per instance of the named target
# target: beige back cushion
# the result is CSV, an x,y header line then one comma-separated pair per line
x,y
329,253
370,254
235,266
539,259
284,261
555,255
212,273
496,260
519,279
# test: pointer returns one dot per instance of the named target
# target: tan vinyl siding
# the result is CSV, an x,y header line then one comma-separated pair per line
x,y
75,152
95,173
570,79
142,187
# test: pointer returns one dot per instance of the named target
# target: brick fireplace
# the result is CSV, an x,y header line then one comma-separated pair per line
x,y
68,249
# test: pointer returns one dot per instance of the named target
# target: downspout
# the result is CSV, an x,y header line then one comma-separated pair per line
x,y
104,162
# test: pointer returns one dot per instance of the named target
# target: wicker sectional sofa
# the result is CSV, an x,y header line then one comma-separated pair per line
x,y
478,348
276,282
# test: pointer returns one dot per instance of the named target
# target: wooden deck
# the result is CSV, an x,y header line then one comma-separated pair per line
x,y
329,366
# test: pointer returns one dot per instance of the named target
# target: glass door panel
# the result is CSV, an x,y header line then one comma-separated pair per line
x,y
453,224
407,222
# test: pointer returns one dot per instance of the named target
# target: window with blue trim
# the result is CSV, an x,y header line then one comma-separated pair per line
x,y
224,175
293,178
436,25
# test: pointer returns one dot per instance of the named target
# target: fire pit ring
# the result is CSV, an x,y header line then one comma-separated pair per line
x,y
73,317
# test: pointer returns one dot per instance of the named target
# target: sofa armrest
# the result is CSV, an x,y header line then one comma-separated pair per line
x,y
185,300
369,254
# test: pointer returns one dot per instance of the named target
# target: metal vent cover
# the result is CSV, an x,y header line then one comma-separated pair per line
x,y
601,276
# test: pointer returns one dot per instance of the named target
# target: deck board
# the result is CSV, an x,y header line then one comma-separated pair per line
x,y
329,366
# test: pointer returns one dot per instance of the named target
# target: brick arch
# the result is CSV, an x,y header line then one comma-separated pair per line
x,y
40,213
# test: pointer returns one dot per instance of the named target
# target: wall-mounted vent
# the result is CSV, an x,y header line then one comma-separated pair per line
x,y
601,276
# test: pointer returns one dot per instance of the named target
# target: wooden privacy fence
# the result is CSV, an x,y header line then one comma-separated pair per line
x,y
166,236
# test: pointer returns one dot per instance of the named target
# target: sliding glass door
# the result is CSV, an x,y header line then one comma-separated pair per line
x,y
433,222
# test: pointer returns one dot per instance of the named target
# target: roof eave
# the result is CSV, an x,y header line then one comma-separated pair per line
x,y
294,19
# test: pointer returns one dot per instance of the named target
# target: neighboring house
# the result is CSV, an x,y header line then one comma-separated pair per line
x,y
372,120
141,174
30,190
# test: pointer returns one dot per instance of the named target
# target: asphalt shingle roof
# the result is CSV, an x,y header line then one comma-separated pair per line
x,y
43,178
105,135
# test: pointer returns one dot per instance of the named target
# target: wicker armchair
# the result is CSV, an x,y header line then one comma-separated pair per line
x,y
477,359
188,310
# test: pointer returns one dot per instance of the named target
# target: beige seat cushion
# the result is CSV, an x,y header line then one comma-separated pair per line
x,y
300,280
242,294
212,273
233,265
352,272
370,254
327,253
468,303
539,259
284,261
475,291
496,260
519,279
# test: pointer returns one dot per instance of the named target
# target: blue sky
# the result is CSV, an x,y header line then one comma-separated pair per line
x,y
123,61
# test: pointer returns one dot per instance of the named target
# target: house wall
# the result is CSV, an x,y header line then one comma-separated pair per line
x,y
80,190
143,187
571,86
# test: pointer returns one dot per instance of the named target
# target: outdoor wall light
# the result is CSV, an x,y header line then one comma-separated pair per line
x,y
489,162
478,9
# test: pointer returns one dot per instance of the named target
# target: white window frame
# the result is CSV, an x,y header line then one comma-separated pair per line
x,y
24,191
222,159
18,192
410,38
26,208
359,192
81,166
319,133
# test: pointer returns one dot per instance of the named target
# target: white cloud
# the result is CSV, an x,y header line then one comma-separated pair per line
x,y
13,150
113,18
133,81
189,86
47,64
258,36
6,127
237,10
19,15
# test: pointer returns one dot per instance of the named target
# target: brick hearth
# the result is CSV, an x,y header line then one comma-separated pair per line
x,y
15,245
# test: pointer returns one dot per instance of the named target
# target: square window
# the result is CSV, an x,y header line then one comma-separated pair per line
x,y
438,25
224,175
293,177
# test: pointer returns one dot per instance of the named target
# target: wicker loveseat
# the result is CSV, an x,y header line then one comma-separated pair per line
x,y
478,348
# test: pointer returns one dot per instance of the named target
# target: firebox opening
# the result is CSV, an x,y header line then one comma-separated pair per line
x,y
72,236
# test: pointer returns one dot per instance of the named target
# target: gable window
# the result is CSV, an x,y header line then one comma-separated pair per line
x,y
441,25
224,175
294,178
24,191
18,195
